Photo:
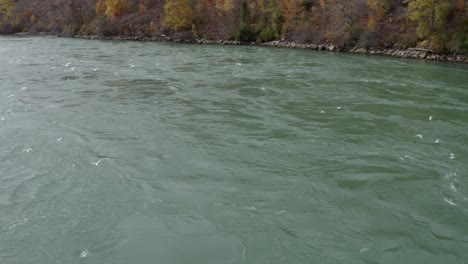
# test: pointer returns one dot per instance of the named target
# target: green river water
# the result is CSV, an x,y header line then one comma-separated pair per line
x,y
130,152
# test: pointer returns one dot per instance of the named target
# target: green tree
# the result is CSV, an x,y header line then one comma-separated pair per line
x,y
431,15
179,15
376,13
7,7
245,13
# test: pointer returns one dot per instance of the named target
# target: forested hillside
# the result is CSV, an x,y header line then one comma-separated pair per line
x,y
440,25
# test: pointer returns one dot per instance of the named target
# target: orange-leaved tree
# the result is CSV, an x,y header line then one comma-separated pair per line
x,y
115,8
101,7
461,5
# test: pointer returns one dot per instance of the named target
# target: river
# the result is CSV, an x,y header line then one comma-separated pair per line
x,y
131,152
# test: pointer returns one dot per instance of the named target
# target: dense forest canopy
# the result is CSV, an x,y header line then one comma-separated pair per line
x,y
441,25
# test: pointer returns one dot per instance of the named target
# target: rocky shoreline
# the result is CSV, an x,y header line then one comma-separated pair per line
x,y
410,53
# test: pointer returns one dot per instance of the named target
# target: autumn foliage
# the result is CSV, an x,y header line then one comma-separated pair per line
x,y
436,24
178,15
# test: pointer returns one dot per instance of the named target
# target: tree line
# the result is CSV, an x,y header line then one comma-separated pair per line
x,y
441,25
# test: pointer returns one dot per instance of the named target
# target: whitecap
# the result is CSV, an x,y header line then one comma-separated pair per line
x,y
452,185
452,156
419,136
84,253
17,223
451,175
437,141
449,201
430,118
279,212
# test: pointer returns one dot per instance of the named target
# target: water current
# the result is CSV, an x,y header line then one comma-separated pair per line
x,y
130,152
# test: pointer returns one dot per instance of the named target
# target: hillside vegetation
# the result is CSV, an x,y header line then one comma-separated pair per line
x,y
440,25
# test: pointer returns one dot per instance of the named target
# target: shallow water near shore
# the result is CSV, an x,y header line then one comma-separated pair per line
x,y
130,152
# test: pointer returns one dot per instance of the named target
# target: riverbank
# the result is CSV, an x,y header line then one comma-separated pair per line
x,y
410,53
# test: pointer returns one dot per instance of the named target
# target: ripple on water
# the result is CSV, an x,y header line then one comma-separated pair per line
x,y
204,154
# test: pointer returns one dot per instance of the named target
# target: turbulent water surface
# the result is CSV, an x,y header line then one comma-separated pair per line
x,y
127,152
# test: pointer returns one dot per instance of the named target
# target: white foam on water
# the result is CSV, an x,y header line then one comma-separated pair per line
x,y
59,139
68,64
452,156
27,150
339,107
454,188
449,201
279,212
437,141
363,250
430,118
17,223
322,112
452,185
84,253
238,64
131,65
409,157
419,136
451,175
